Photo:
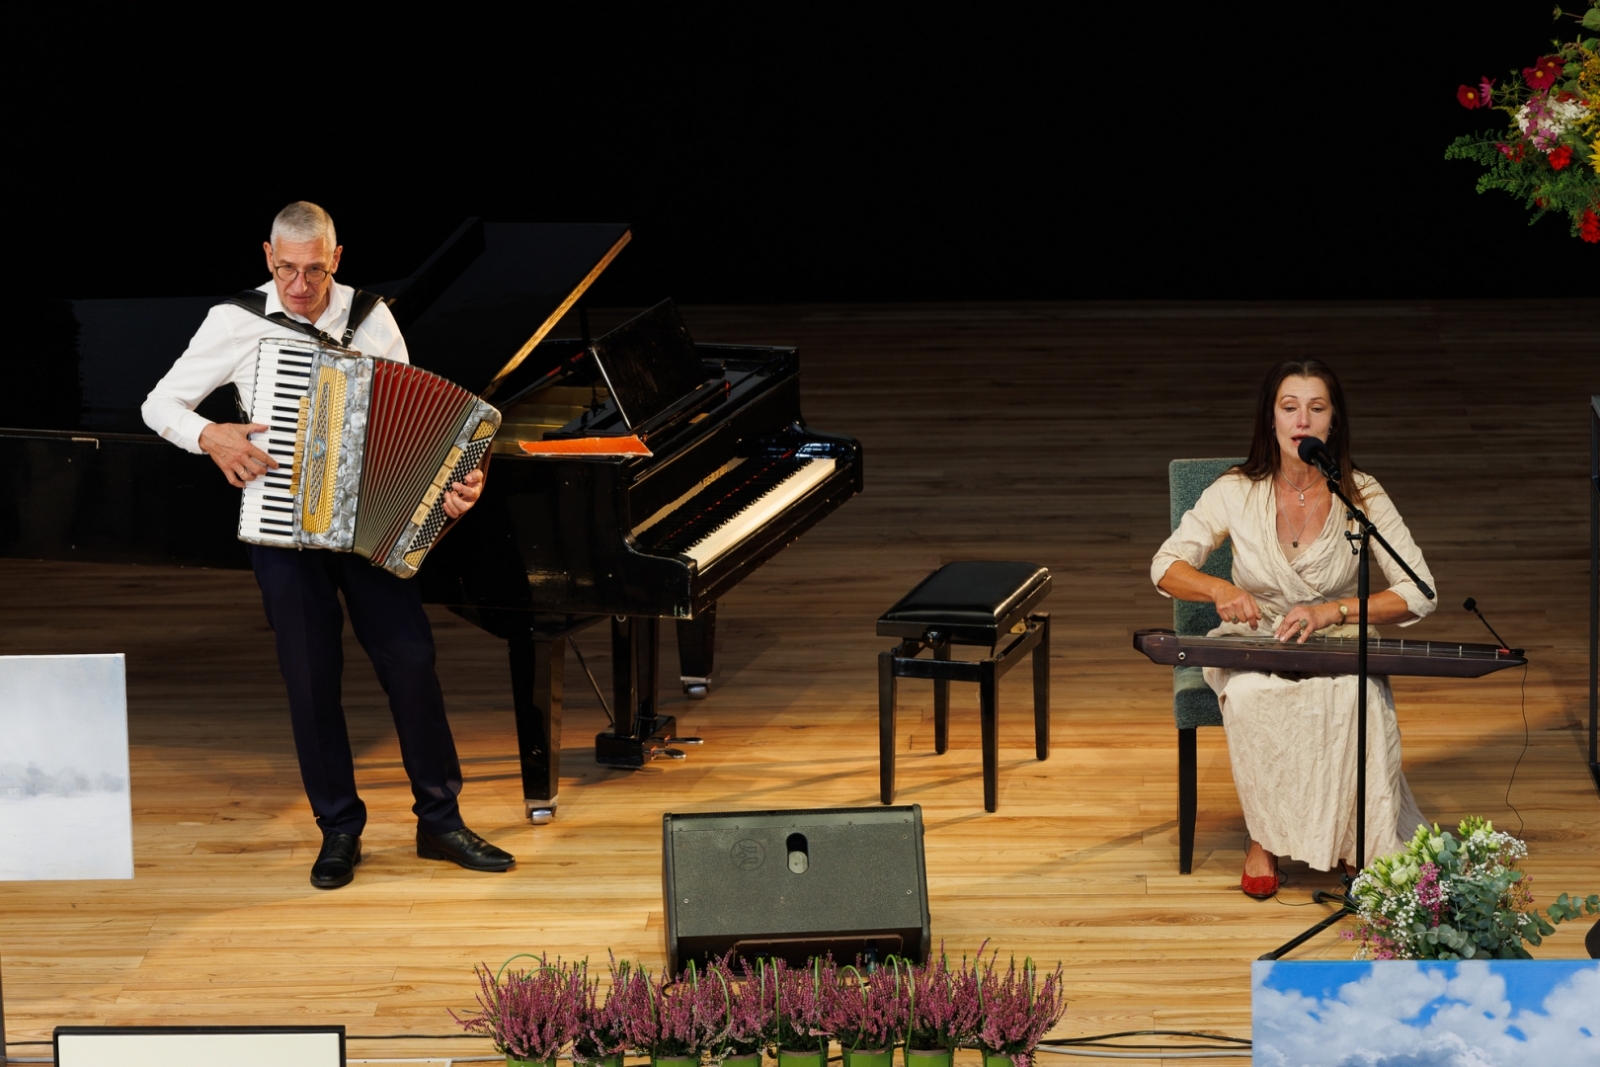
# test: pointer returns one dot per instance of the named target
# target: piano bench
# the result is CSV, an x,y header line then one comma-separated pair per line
x,y
971,602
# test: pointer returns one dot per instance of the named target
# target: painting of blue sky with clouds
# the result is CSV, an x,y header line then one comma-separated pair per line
x,y
65,810
1469,1013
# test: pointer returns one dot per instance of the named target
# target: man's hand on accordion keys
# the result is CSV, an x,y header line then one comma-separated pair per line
x,y
460,497
228,445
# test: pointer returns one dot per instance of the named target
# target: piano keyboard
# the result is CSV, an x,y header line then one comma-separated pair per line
x,y
731,508
283,369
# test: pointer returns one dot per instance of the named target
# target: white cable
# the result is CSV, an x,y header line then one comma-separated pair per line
x,y
1242,1054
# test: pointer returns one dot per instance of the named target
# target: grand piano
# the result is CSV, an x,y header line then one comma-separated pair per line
x,y
729,473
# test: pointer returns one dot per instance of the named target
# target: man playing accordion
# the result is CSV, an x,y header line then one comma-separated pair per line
x,y
300,589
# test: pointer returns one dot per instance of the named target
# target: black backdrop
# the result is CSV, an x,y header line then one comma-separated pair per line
x,y
1161,150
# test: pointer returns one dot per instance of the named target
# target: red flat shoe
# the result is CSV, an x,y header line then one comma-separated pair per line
x,y
1262,887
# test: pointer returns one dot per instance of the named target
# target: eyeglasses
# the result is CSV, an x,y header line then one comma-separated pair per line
x,y
286,273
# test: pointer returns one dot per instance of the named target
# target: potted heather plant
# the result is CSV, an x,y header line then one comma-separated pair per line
x,y
867,1014
942,1009
750,1018
602,1039
800,1023
691,1018
1017,1011
1445,897
530,1015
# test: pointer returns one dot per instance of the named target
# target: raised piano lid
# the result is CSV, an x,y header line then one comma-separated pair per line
x,y
480,327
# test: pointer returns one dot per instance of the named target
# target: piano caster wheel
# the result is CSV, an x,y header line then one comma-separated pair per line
x,y
697,688
688,740
673,753
541,816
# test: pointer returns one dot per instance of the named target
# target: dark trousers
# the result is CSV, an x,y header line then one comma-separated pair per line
x,y
299,590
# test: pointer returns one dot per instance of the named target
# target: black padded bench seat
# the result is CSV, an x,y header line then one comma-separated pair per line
x,y
971,602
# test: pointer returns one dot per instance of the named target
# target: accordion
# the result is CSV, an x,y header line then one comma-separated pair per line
x,y
366,449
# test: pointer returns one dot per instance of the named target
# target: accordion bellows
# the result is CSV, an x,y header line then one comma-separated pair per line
x,y
376,444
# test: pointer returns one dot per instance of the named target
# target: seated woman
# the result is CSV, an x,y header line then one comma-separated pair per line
x,y
1292,739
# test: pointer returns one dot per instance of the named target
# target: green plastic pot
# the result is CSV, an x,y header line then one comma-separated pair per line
x,y
883,1057
806,1058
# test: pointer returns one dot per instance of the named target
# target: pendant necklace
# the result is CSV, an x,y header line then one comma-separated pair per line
x,y
1294,541
1299,489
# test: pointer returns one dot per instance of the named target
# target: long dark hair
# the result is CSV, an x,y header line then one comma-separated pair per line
x,y
1264,452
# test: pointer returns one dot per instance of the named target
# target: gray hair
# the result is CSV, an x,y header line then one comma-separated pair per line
x,y
303,221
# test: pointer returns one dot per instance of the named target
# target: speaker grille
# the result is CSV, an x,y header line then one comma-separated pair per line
x,y
795,883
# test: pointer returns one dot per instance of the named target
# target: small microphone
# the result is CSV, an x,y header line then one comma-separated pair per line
x,y
1472,606
1315,452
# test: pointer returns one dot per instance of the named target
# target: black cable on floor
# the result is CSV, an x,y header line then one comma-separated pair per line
x,y
1100,1040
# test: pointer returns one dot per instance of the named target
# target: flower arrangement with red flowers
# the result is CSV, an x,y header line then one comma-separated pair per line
x,y
1550,157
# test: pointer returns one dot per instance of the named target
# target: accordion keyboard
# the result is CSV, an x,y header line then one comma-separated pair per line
x,y
266,513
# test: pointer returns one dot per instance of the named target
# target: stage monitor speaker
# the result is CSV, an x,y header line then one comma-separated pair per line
x,y
795,884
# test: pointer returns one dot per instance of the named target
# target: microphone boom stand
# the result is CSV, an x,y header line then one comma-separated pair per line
x,y
1360,544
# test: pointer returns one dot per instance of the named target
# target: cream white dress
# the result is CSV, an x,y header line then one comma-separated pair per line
x,y
1292,738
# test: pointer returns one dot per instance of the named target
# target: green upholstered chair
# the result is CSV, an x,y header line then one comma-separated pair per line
x,y
1193,703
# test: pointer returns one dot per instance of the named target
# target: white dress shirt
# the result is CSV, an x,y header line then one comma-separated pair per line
x,y
223,350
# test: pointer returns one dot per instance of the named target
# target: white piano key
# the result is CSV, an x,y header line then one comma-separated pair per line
x,y
717,543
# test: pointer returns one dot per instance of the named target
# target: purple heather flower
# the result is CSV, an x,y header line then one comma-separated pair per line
x,y
944,1004
530,1014
750,1016
867,1011
1018,1010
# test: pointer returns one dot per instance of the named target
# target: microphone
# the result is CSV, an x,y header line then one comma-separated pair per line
x,y
1472,606
1315,452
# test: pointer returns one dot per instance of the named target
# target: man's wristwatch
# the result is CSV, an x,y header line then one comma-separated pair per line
x,y
1344,612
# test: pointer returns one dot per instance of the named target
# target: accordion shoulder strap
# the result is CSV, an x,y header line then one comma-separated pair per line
x,y
361,305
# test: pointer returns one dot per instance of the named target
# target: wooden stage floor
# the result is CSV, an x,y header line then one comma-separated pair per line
x,y
1015,431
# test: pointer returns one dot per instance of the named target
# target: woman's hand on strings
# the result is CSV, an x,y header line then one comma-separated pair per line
x,y
1300,623
1236,605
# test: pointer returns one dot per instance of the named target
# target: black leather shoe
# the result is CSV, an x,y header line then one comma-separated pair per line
x,y
336,863
464,847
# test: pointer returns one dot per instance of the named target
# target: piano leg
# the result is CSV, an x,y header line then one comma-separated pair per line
x,y
697,639
537,665
638,734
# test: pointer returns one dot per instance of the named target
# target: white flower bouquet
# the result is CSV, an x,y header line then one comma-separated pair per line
x,y
1447,897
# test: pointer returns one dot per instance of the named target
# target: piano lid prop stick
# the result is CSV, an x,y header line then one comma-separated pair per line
x,y
555,316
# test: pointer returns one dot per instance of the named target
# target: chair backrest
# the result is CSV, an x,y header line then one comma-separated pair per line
x,y
1186,480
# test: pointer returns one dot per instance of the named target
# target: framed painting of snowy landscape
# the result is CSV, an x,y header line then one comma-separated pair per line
x,y
64,802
